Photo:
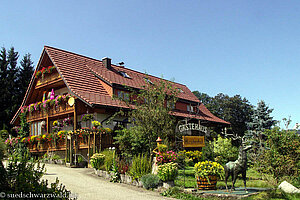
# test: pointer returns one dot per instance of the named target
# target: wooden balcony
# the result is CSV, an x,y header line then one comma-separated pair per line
x,y
53,79
53,111
45,146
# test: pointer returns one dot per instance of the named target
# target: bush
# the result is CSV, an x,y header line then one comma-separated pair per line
x,y
2,148
282,158
97,160
162,148
224,151
141,165
190,157
150,181
167,171
166,157
4,134
56,157
131,141
25,177
108,161
123,166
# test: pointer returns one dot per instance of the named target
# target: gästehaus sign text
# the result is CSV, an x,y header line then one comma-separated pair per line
x,y
192,126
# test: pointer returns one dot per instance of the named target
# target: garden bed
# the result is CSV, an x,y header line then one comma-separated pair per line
x,y
124,178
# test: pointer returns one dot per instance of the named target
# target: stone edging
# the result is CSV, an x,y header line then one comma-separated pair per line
x,y
124,178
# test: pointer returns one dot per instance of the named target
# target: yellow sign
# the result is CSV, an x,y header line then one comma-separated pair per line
x,y
193,141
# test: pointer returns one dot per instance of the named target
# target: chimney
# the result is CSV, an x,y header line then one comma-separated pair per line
x,y
106,62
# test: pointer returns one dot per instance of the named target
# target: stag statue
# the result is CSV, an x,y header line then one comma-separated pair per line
x,y
237,167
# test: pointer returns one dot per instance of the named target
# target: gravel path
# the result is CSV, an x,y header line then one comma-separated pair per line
x,y
87,186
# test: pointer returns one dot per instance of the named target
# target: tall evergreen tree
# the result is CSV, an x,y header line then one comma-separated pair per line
x,y
14,81
26,71
3,89
261,121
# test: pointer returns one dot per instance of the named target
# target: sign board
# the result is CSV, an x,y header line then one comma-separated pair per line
x,y
193,141
192,126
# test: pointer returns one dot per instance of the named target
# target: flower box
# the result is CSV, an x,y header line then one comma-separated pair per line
x,y
204,184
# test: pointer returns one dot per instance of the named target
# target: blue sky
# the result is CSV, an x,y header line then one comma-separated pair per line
x,y
249,48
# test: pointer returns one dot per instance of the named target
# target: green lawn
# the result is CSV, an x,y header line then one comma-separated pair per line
x,y
254,179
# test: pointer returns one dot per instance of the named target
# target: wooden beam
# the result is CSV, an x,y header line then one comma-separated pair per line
x,y
94,145
89,140
71,151
48,125
75,116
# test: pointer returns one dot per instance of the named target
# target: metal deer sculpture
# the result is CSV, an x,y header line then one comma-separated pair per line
x,y
237,167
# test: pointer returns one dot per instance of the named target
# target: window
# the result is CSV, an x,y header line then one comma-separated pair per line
x,y
36,128
148,80
190,108
124,74
123,95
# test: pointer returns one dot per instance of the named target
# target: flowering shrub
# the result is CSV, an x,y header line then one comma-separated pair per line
x,y
168,171
195,156
166,157
97,160
208,168
12,142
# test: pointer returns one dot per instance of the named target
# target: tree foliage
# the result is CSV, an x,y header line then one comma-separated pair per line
x,y
261,120
224,151
14,81
149,112
236,110
282,157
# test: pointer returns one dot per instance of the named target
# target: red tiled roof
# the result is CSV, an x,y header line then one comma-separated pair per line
x,y
79,73
137,79
204,114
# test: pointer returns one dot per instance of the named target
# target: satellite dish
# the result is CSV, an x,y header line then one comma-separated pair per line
x,y
71,101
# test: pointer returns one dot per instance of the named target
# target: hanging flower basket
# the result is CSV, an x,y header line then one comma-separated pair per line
x,y
204,184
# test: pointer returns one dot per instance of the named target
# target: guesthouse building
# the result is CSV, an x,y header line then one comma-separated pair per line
x,y
68,90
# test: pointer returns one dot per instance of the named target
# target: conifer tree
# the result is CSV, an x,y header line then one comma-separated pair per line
x,y
261,120
26,71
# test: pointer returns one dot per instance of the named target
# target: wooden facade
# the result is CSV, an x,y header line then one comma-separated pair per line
x,y
91,83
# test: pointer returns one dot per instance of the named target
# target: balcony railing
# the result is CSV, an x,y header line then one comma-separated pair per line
x,y
48,79
55,110
49,145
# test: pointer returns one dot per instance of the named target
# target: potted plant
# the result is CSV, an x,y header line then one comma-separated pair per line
x,y
207,174
167,173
